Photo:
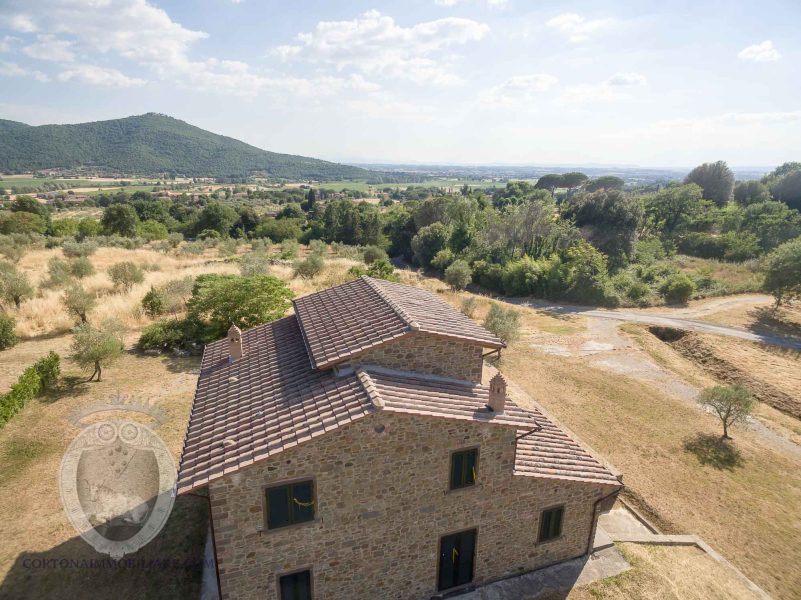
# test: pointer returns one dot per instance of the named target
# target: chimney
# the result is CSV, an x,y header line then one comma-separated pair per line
x,y
234,343
497,394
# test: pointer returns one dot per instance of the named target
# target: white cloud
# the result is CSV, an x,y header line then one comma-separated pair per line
x,y
610,90
762,52
48,47
489,3
10,69
578,28
519,91
19,22
100,76
375,45
6,43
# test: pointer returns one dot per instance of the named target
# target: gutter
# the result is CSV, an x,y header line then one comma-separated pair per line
x,y
595,515
213,539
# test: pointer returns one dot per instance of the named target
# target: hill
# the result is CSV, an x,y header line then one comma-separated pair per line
x,y
152,144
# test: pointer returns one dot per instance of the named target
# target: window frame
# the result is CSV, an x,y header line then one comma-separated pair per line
x,y
279,576
439,560
285,483
557,507
451,459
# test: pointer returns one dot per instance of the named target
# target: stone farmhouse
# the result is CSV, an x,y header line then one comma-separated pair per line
x,y
351,451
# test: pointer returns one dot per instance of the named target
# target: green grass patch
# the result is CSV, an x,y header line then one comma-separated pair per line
x,y
18,454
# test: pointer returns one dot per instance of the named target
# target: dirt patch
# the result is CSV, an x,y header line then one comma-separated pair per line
x,y
729,365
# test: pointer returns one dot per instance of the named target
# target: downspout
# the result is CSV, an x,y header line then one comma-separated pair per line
x,y
594,524
213,540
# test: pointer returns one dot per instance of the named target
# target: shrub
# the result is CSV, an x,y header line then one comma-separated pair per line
x,y
428,241
125,274
374,253
79,302
152,230
677,288
469,306
8,337
82,267
193,248
14,286
168,298
227,248
175,239
458,275
289,249
443,259
34,380
503,322
310,267
164,335
318,247
254,263
261,245
58,272
209,234
153,302
383,269
49,368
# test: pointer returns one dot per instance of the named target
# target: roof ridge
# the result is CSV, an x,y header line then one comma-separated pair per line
x,y
406,317
369,387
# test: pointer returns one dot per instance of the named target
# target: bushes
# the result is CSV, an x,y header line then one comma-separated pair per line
x,y
289,249
458,275
168,298
503,322
37,378
82,267
254,263
469,306
58,272
164,335
8,337
310,267
374,253
677,288
125,274
318,247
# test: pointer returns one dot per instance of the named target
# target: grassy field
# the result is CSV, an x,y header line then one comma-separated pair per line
x,y
733,278
363,186
746,507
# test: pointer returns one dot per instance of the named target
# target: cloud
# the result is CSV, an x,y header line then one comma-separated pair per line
x,y
578,28
518,91
7,42
762,52
100,76
375,45
489,3
611,90
48,47
10,69
19,22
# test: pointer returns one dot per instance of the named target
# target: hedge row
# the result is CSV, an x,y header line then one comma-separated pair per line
x,y
35,380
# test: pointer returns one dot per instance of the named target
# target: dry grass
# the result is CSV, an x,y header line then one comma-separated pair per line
x,y
749,513
733,277
665,573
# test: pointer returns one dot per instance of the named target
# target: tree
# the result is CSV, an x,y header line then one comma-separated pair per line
x,y
716,179
783,272
291,211
82,267
120,219
152,230
573,180
311,200
217,217
458,275
503,322
96,348
79,302
310,267
773,223
383,269
14,285
751,192
731,403
21,222
605,182
674,210
428,241
788,189
279,230
374,253
549,182
221,300
125,274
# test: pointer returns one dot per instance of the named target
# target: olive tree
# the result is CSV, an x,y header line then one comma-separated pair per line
x,y
79,302
97,347
731,403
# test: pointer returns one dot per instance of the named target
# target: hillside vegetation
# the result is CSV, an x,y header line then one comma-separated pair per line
x,y
150,144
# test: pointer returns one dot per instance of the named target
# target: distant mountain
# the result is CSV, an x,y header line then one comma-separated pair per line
x,y
151,144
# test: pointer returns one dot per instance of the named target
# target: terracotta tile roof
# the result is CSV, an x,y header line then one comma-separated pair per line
x,y
413,393
550,452
267,401
340,322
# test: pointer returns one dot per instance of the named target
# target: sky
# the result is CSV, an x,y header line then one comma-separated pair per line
x,y
635,82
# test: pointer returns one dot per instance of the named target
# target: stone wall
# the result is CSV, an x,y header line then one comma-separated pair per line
x,y
426,353
382,504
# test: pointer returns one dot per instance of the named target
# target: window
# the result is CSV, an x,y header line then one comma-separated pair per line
x,y
463,468
551,524
290,504
456,557
295,586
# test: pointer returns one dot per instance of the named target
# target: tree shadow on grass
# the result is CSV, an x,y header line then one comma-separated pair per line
x,y
714,451
68,386
770,321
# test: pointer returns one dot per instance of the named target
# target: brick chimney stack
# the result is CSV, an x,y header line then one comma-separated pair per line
x,y
497,394
234,343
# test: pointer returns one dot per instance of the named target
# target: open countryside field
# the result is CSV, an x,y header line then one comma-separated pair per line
x,y
642,428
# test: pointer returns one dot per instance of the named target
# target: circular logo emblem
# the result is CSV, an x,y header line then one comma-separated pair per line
x,y
117,483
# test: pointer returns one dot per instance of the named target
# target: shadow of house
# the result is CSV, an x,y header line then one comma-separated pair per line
x,y
170,566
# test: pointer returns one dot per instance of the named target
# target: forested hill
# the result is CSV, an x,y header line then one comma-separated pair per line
x,y
151,144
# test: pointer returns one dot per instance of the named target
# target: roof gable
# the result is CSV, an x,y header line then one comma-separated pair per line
x,y
343,321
